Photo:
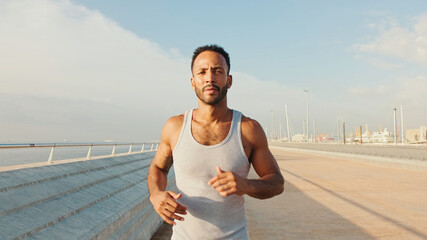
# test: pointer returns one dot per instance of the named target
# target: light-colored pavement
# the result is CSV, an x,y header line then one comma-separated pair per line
x,y
334,198
337,198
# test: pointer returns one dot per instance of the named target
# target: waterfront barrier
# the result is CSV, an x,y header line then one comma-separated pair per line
x,y
385,151
24,153
105,198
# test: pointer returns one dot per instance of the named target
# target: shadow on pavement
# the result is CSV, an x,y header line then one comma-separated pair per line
x,y
294,215
360,206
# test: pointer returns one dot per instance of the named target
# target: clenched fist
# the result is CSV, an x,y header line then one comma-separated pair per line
x,y
227,183
165,204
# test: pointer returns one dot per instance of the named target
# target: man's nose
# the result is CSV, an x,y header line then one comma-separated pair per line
x,y
210,77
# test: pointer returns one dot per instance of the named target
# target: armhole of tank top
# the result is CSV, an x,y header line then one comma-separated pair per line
x,y
181,133
239,136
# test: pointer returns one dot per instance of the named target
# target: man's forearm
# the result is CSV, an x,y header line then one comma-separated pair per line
x,y
266,187
164,202
157,180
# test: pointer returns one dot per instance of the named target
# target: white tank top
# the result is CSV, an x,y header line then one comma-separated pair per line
x,y
209,215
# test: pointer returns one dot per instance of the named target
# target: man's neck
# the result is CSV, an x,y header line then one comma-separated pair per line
x,y
212,113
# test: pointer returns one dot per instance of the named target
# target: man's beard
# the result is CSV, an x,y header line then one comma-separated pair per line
x,y
208,99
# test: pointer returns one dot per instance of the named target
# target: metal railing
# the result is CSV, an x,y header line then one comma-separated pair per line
x,y
387,151
153,147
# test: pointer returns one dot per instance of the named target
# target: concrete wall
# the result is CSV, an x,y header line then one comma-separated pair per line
x,y
387,151
95,199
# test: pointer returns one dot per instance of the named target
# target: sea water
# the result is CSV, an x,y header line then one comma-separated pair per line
x,y
15,156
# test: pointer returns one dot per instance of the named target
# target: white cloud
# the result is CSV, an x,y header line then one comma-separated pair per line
x,y
409,91
406,46
412,91
257,99
377,62
62,64
377,102
404,43
69,72
375,92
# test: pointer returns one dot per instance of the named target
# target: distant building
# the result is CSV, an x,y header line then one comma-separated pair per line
x,y
372,137
324,138
416,135
298,138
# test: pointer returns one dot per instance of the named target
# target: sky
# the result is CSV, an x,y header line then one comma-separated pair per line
x,y
98,70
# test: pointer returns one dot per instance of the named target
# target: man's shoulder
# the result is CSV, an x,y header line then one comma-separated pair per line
x,y
174,122
251,129
253,133
250,124
172,129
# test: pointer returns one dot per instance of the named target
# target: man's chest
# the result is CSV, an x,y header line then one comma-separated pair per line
x,y
210,134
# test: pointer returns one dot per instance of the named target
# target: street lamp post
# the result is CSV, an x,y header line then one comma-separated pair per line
x,y
395,127
287,123
307,129
401,124
343,132
272,125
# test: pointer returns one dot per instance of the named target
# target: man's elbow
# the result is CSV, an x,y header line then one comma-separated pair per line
x,y
280,187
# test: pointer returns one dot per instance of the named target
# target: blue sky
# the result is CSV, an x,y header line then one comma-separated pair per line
x,y
117,69
274,40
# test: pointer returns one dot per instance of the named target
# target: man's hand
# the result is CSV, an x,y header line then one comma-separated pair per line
x,y
227,183
166,206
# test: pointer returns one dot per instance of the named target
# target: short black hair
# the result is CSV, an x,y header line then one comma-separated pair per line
x,y
213,48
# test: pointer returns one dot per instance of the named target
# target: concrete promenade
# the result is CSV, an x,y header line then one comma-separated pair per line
x,y
329,197
103,198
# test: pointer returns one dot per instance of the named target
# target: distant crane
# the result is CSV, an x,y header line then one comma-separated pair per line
x,y
368,133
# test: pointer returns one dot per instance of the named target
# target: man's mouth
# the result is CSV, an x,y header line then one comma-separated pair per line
x,y
211,89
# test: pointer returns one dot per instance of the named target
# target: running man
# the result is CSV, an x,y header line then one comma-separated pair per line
x,y
212,148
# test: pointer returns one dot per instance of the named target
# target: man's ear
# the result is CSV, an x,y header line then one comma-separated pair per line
x,y
229,81
192,83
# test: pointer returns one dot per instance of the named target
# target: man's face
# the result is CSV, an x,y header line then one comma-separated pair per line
x,y
210,80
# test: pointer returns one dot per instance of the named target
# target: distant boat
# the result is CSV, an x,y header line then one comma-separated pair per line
x,y
382,136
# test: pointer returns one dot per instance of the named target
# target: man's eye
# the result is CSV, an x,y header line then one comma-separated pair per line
x,y
201,72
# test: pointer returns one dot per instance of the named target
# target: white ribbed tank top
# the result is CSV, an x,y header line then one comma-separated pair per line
x,y
209,215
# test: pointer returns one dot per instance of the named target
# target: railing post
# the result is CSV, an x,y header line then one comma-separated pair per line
x,y
130,149
343,132
157,145
142,148
152,146
89,152
49,160
114,150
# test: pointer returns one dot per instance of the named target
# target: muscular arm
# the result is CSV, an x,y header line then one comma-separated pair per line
x,y
270,182
159,168
164,202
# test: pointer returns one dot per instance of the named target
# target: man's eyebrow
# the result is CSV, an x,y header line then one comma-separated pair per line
x,y
201,68
218,67
204,68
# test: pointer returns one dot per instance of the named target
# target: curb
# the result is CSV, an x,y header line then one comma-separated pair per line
x,y
407,164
